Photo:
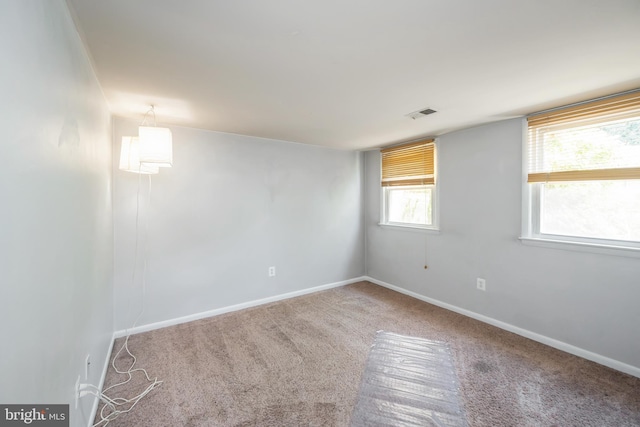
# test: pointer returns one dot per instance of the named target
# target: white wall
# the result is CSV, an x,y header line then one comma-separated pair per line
x,y
230,207
587,300
55,209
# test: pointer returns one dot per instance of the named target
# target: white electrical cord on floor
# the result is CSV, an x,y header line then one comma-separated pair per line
x,y
121,405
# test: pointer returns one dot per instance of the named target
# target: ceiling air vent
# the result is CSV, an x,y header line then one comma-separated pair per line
x,y
421,113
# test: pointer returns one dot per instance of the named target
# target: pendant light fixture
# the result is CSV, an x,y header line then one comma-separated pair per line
x,y
151,150
130,157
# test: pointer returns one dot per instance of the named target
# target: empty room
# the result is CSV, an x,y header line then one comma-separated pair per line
x,y
320,213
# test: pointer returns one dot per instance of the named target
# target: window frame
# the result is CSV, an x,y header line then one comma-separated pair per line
x,y
531,216
531,226
434,227
384,208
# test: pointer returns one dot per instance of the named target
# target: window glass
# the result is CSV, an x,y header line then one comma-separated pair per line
x,y
409,205
595,209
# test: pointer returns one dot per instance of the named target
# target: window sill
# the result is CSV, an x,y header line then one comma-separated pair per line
x,y
410,228
597,248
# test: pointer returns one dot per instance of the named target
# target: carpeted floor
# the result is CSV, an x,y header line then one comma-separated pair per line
x,y
299,362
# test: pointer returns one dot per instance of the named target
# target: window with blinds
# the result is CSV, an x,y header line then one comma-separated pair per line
x,y
584,170
408,164
408,184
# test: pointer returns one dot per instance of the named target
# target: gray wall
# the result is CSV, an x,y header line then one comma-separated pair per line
x,y
230,207
55,209
583,299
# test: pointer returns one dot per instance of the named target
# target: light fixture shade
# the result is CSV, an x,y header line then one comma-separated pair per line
x,y
155,146
130,157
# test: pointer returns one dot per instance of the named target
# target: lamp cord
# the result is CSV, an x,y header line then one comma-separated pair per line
x,y
114,404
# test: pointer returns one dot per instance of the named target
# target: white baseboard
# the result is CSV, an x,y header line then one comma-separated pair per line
x,y
568,348
228,309
96,401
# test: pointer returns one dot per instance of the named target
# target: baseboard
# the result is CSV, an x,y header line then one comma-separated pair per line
x,y
228,309
103,376
568,348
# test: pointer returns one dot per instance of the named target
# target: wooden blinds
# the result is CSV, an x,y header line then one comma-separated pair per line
x,y
598,140
408,164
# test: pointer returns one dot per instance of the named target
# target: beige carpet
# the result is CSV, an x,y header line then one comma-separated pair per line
x,y
298,363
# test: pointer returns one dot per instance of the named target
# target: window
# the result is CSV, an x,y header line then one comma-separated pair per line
x,y
408,185
583,181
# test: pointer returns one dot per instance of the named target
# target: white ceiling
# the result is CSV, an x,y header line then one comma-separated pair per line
x,y
345,73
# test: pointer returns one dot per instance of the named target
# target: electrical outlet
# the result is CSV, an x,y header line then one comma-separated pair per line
x,y
87,364
81,390
272,271
481,284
